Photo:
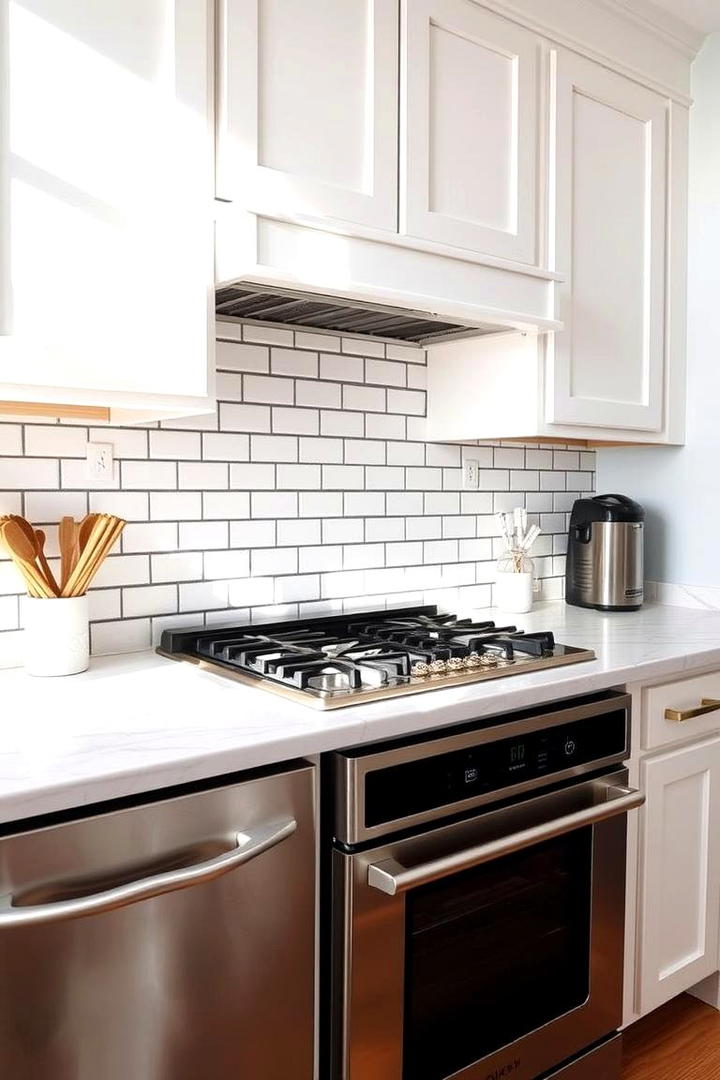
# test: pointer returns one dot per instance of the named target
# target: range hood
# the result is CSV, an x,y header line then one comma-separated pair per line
x,y
256,302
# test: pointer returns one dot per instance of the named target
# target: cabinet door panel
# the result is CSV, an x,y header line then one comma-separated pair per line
x,y
308,108
469,108
680,872
108,192
610,212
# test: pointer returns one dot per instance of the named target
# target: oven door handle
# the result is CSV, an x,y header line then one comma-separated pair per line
x,y
392,878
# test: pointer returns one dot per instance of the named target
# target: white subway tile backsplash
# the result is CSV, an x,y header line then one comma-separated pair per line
x,y
365,503
342,368
149,600
325,394
249,534
54,440
10,439
149,475
244,417
231,356
293,362
228,386
363,346
227,516
158,536
382,426
267,335
269,389
346,530
296,532
342,423
269,562
364,398
386,372
273,448
217,446
252,476
298,477
175,445
385,478
27,473
203,535
411,402
277,504
405,453
343,477
293,421
226,564
177,566
226,504
202,476
42,507
321,450
126,442
322,504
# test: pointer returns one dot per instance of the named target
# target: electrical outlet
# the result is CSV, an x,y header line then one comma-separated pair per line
x,y
471,473
100,462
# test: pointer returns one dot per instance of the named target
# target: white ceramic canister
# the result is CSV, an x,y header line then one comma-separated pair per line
x,y
513,592
57,636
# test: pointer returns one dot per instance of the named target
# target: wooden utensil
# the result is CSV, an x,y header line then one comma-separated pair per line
x,y
33,538
40,539
102,536
66,537
23,554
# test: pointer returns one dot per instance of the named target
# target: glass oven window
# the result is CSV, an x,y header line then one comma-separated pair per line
x,y
494,953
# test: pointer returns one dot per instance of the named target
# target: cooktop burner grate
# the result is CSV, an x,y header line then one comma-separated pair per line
x,y
345,659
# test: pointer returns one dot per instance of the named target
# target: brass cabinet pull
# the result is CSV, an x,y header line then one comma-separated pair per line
x,y
679,716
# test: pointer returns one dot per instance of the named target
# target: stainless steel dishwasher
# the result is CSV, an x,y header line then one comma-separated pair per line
x,y
170,940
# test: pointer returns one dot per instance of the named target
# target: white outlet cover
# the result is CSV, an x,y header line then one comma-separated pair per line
x,y
471,473
100,463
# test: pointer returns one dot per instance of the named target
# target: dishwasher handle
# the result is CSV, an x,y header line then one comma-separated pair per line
x,y
248,845
392,878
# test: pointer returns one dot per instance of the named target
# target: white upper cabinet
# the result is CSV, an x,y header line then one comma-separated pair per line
x,y
106,205
610,218
307,108
469,129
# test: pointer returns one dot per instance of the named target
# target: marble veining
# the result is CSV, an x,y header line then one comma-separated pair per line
x,y
138,722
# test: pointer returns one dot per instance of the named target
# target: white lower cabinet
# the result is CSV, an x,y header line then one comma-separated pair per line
x,y
679,872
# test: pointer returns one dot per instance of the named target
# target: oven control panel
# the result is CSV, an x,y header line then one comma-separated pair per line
x,y
403,790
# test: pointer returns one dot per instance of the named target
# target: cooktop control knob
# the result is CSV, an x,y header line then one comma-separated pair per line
x,y
570,747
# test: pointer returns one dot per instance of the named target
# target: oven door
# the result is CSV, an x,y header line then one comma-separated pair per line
x,y
492,947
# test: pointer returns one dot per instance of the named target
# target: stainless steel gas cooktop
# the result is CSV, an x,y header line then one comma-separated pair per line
x,y
342,660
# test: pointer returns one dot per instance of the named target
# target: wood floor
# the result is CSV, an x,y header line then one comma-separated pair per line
x,y
680,1041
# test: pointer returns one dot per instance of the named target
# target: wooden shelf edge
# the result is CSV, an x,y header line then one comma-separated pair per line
x,y
66,412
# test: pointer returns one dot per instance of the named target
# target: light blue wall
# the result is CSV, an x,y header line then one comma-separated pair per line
x,y
680,486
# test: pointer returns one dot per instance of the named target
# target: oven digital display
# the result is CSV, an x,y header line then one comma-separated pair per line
x,y
401,791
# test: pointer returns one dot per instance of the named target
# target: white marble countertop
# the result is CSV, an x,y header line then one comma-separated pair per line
x,y
139,722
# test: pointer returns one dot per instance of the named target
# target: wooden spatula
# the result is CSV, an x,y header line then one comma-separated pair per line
x,y
66,538
40,539
23,554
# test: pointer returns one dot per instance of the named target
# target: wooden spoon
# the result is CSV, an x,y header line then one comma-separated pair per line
x,y
23,552
34,539
89,552
40,539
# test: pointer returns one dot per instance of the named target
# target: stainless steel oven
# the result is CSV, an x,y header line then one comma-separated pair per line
x,y
479,893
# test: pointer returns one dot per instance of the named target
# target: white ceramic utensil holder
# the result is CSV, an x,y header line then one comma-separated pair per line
x,y
57,636
514,592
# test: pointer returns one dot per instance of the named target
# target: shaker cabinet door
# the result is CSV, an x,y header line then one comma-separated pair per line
x,y
307,108
105,196
469,129
679,872
607,365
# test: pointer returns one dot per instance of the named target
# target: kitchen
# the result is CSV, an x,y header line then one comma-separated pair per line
x,y
318,323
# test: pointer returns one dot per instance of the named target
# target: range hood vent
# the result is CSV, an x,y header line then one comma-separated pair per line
x,y
338,315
